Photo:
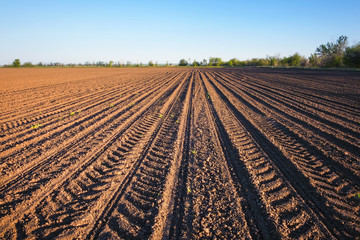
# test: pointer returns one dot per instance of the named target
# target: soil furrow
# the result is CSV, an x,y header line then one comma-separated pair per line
x,y
307,102
101,86
208,205
123,100
179,153
333,130
280,84
328,87
62,175
316,199
82,130
334,151
166,218
34,102
133,207
282,203
83,103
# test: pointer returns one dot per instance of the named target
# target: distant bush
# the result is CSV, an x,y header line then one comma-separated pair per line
x,y
215,62
254,62
262,62
352,56
314,60
273,61
27,64
294,61
151,64
195,63
232,62
183,62
16,63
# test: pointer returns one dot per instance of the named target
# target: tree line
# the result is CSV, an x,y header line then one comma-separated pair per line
x,y
17,63
329,55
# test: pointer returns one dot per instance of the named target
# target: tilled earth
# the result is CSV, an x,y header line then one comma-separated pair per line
x,y
179,153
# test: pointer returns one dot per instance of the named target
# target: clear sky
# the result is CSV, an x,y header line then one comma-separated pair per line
x,y
139,31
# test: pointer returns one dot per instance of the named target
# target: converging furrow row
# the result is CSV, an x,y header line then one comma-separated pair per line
x,y
180,153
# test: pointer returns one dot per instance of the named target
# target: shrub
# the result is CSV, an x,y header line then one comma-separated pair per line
x,y
195,63
28,64
294,61
183,62
314,60
352,56
273,61
215,62
16,63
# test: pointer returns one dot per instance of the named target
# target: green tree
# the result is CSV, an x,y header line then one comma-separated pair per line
x,y
314,60
336,48
236,62
253,62
151,64
16,63
183,62
233,62
195,63
215,62
273,61
263,62
352,56
295,60
111,63
28,64
332,54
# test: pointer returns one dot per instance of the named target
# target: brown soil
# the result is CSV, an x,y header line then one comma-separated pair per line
x,y
179,153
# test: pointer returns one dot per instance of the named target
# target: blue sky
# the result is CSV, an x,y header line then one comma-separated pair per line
x,y
139,31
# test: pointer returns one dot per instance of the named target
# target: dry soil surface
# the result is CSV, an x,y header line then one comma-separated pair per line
x,y
179,153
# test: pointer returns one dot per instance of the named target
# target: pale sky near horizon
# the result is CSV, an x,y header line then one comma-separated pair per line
x,y
139,31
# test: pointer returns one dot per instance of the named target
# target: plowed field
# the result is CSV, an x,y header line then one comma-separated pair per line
x,y
179,153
